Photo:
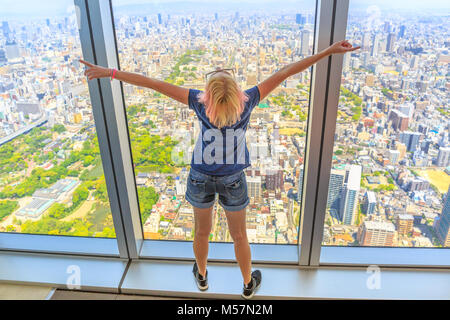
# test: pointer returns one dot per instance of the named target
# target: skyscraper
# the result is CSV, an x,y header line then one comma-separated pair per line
x,y
390,42
298,18
366,41
443,158
159,18
401,33
349,196
375,45
254,188
6,31
337,178
370,202
346,63
12,50
3,57
410,139
305,43
442,226
300,184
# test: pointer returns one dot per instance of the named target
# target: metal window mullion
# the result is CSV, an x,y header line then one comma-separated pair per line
x,y
96,96
323,28
330,117
101,18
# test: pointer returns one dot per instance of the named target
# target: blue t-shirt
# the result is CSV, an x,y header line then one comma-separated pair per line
x,y
222,152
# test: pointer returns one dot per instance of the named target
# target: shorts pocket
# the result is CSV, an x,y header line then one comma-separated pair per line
x,y
196,185
237,187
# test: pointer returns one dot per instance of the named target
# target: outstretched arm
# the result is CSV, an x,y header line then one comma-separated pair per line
x,y
175,92
278,77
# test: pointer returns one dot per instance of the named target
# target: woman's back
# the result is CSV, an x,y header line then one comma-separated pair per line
x,y
223,151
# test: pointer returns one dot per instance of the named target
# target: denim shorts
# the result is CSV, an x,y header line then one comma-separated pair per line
x,y
202,188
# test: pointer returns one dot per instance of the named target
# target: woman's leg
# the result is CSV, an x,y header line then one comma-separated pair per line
x,y
238,231
203,224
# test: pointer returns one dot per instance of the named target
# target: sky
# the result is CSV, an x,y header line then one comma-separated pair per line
x,y
9,8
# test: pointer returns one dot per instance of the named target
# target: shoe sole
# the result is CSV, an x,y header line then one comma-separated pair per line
x,y
201,288
253,293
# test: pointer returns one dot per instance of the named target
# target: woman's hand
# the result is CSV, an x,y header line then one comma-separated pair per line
x,y
94,72
341,47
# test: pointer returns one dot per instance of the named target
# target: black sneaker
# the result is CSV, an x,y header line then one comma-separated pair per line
x,y
249,291
202,282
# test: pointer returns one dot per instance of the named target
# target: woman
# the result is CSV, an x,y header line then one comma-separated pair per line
x,y
221,154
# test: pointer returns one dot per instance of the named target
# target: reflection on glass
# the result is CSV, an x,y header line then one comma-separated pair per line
x,y
51,175
182,43
389,183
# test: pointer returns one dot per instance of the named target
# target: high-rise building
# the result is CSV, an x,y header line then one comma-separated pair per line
x,y
337,178
399,120
346,63
349,195
401,33
390,42
305,42
159,18
404,223
443,158
300,184
12,50
393,156
410,139
299,19
375,45
442,225
376,233
216,16
366,41
370,202
407,109
6,31
274,179
254,188
3,58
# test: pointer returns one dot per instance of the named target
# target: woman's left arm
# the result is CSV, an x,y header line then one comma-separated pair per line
x,y
173,91
278,77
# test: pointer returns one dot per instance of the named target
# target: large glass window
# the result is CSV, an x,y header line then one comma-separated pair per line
x,y
180,43
51,175
389,184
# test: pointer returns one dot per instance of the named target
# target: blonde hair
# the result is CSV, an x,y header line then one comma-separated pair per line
x,y
223,99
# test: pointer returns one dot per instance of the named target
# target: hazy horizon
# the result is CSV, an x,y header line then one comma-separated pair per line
x,y
44,8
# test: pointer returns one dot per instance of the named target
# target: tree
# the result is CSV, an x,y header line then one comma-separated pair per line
x,y
79,195
57,211
147,198
7,207
88,160
59,128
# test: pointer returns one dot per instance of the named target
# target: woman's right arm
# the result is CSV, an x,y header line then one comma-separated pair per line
x,y
175,92
278,77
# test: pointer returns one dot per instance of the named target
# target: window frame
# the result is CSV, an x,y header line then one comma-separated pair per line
x,y
99,45
323,255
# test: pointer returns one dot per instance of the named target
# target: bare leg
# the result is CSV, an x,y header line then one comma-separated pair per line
x,y
203,224
238,231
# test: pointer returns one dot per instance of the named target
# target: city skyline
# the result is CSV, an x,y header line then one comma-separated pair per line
x,y
391,143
